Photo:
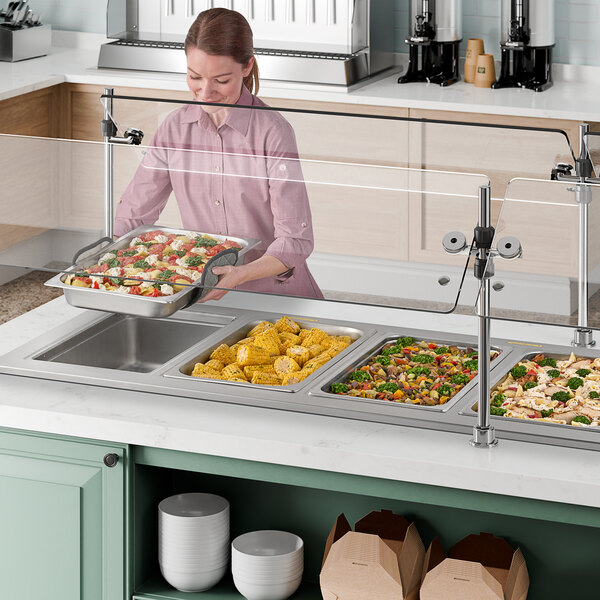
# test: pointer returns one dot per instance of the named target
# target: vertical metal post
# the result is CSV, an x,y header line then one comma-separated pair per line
x,y
583,197
108,166
483,433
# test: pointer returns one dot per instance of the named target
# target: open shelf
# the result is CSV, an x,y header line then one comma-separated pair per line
x,y
157,588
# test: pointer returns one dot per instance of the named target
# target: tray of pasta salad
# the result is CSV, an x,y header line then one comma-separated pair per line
x,y
550,388
150,272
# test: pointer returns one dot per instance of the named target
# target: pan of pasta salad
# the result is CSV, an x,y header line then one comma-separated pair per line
x,y
150,272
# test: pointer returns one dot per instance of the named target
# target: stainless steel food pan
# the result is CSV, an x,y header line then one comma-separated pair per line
x,y
184,370
471,404
144,306
375,348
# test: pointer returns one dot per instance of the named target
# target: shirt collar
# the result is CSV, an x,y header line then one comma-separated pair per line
x,y
238,118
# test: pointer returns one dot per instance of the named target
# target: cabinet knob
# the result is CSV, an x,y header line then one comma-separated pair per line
x,y
111,459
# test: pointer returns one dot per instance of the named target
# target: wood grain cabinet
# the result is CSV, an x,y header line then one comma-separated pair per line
x,y
62,519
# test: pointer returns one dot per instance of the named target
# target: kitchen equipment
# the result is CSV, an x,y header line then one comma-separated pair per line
x,y
435,35
527,42
335,42
146,306
21,35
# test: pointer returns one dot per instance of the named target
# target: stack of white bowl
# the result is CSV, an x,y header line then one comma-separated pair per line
x,y
193,540
267,565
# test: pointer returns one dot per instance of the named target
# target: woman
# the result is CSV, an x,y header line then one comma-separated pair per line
x,y
233,171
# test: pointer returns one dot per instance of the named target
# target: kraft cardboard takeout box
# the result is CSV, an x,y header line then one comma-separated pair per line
x,y
479,567
382,559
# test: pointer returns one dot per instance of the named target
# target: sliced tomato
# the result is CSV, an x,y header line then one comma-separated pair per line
x,y
215,250
157,248
135,290
187,247
96,285
230,244
99,268
129,260
155,293
150,235
172,258
87,280
432,346
174,278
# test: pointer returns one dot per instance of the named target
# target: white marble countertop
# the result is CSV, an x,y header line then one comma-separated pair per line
x,y
296,439
74,57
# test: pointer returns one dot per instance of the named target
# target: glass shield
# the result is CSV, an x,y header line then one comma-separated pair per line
x,y
328,199
546,263
593,146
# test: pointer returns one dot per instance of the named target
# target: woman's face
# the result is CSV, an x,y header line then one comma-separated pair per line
x,y
213,78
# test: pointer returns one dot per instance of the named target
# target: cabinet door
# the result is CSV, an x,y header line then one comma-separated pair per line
x,y
62,520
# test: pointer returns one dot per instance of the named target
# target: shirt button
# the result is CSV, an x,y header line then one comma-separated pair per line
x,y
217,168
217,202
282,167
303,224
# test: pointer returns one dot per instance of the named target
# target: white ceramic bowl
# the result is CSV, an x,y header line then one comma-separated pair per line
x,y
266,591
193,582
268,544
193,505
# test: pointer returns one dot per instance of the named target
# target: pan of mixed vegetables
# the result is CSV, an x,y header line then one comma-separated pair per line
x,y
551,389
410,371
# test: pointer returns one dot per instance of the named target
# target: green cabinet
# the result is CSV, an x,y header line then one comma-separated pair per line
x,y
62,519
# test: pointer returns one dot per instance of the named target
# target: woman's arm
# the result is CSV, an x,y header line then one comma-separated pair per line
x,y
265,266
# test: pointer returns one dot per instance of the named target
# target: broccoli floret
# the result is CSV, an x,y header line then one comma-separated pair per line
x,y
339,388
518,371
391,350
444,390
141,264
581,419
418,371
547,362
194,261
423,358
575,382
383,360
203,242
547,413
594,395
112,263
459,378
472,365
388,387
165,274
553,373
498,400
442,350
405,341
360,376
498,411
583,372
529,385
561,396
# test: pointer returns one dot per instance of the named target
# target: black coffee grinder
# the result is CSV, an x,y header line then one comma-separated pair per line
x,y
527,42
435,34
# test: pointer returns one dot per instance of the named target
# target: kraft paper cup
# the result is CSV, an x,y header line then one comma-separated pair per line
x,y
485,72
474,49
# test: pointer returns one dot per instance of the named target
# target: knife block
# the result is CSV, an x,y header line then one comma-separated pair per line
x,y
24,43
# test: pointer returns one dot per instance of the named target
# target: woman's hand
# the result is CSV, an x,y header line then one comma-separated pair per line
x,y
231,278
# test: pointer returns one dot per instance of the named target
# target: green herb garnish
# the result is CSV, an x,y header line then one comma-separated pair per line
x,y
339,388
442,350
360,376
518,371
383,360
166,274
459,378
141,264
472,365
203,242
423,358
388,387
582,419
112,263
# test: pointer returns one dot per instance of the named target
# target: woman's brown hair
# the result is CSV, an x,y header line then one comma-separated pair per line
x,y
224,32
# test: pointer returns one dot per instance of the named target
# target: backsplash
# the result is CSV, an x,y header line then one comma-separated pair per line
x,y
577,24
